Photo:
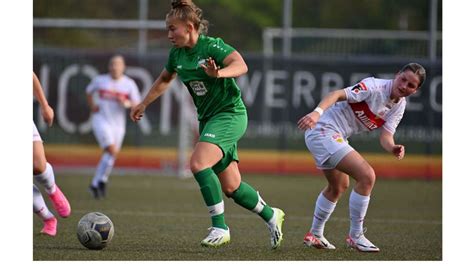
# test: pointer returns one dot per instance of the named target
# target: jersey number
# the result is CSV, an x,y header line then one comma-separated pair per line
x,y
198,87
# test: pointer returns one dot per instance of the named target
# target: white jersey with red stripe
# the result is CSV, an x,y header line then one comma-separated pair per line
x,y
108,95
368,107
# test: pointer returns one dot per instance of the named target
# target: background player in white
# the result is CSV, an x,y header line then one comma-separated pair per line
x,y
43,172
108,96
370,104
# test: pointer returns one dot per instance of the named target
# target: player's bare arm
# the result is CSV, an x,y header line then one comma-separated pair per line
x,y
92,106
388,143
46,110
309,121
160,85
234,66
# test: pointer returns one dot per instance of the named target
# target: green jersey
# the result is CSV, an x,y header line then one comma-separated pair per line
x,y
210,95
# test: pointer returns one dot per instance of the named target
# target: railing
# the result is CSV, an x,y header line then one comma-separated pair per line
x,y
351,42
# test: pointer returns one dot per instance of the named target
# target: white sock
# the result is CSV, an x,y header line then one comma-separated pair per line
x,y
46,179
322,211
216,209
260,205
39,206
104,168
358,206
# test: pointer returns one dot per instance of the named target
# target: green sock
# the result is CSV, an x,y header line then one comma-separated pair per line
x,y
247,197
212,193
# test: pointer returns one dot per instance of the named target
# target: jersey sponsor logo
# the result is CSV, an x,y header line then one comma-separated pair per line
x,y
198,87
359,87
113,95
210,135
365,116
338,138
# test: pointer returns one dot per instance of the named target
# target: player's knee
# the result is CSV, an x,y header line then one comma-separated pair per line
x,y
39,166
112,150
197,165
228,191
230,186
337,191
367,179
342,187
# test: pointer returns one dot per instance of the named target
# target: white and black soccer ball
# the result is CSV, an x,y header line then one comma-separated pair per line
x,y
95,230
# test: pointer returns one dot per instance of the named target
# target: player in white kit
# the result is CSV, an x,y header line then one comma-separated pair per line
x,y
108,96
370,104
43,173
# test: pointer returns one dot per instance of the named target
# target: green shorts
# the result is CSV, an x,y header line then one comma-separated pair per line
x,y
224,130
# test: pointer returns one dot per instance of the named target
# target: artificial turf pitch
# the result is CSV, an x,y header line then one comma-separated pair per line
x,y
164,218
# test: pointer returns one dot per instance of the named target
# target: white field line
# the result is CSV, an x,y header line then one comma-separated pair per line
x,y
248,216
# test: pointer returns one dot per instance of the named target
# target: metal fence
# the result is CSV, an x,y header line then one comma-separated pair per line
x,y
352,43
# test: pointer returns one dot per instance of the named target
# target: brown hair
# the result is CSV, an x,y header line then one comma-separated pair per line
x,y
416,68
117,56
186,10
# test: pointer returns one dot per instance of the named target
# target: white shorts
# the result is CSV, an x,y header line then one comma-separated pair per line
x,y
107,134
36,135
327,146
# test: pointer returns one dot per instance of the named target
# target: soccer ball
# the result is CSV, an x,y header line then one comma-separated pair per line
x,y
95,230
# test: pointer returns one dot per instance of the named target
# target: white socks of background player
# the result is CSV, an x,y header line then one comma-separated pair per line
x,y
46,179
358,206
104,168
322,212
39,206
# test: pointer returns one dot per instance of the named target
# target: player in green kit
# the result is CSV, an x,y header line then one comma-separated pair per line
x,y
208,66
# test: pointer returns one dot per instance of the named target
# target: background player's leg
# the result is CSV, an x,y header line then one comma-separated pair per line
x,y
103,170
113,150
105,134
110,153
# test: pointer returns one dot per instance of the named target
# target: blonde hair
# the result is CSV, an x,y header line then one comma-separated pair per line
x,y
186,10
